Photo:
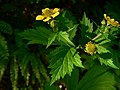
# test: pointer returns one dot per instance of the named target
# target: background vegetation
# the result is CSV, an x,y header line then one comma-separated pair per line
x,y
34,56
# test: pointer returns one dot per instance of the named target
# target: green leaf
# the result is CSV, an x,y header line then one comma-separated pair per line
x,y
97,78
14,73
5,27
108,62
72,81
101,49
72,31
51,38
3,55
37,36
86,23
63,38
62,61
51,87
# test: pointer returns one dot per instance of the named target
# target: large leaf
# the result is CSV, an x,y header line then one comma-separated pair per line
x,y
63,38
71,82
63,60
97,78
37,36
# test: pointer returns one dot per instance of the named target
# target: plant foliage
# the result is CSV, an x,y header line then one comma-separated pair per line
x,y
62,49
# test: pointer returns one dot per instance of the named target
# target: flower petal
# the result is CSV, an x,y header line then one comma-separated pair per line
x,y
56,10
47,19
44,10
56,14
40,17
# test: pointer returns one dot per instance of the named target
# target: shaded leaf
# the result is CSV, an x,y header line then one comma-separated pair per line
x,y
3,55
101,49
37,36
14,73
5,27
97,78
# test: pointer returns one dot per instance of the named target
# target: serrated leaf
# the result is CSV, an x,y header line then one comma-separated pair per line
x,y
51,38
86,23
101,49
63,61
97,78
108,62
72,31
37,36
103,38
5,27
63,38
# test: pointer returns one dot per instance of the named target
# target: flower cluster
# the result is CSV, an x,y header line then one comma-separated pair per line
x,y
111,22
48,14
90,48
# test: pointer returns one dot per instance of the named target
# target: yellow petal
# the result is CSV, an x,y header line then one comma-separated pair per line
x,y
56,10
44,10
105,15
47,19
40,17
112,20
56,14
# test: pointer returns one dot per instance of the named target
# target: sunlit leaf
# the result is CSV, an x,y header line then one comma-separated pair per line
x,y
51,39
63,38
63,60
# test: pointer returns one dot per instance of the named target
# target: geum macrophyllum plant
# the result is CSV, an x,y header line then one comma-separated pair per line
x,y
65,56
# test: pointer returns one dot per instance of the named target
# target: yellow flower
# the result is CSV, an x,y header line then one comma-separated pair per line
x,y
90,48
111,21
48,14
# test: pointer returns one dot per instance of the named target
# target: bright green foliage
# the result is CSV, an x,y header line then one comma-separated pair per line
x,y
97,78
5,27
72,31
63,38
51,39
63,60
39,55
